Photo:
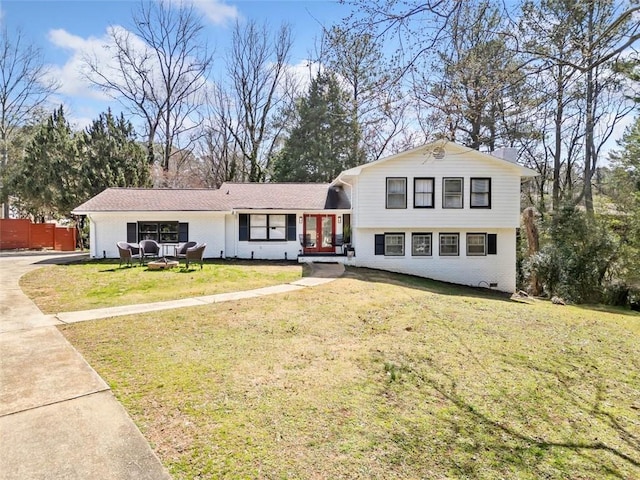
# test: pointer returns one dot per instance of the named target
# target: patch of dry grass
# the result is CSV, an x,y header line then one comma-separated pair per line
x,y
102,283
378,376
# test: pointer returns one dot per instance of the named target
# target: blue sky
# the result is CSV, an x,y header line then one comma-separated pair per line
x,y
64,29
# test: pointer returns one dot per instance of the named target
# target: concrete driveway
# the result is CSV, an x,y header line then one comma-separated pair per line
x,y
58,418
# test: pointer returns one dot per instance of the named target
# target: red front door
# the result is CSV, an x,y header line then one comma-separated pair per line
x,y
319,233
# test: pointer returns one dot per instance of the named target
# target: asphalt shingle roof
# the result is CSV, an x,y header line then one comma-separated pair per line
x,y
230,196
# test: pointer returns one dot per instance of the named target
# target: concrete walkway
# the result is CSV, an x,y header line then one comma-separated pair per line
x,y
58,418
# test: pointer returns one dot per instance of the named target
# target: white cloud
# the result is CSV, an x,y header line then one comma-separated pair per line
x,y
69,75
217,12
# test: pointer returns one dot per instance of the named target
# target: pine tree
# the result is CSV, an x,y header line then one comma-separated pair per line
x,y
111,157
46,180
320,146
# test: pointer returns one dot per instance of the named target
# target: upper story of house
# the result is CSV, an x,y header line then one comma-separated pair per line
x,y
441,184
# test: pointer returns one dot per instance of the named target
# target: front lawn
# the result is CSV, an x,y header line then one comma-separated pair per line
x,y
102,283
377,375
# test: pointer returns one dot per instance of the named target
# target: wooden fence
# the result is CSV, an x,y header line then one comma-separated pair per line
x,y
23,234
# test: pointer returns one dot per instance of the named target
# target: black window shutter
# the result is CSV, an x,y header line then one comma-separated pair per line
x,y
291,227
132,232
244,227
183,232
379,239
492,244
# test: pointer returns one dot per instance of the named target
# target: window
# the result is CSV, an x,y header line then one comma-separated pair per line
x,y
396,193
267,227
394,244
423,192
480,193
452,192
476,244
449,244
277,227
258,227
161,232
421,244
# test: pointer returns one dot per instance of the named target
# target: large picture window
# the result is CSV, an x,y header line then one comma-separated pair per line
x,y
476,244
161,232
423,192
449,244
480,193
421,244
396,192
452,192
394,244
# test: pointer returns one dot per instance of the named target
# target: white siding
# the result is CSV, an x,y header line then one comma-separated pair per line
x,y
109,228
369,199
480,271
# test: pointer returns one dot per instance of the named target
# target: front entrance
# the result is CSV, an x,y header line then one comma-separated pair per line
x,y
319,233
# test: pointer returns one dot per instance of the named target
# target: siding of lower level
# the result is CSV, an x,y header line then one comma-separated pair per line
x,y
490,271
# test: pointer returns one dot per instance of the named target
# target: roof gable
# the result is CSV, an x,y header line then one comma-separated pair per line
x,y
439,150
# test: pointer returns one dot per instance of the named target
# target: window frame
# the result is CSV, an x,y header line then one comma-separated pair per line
x,y
484,244
162,231
428,235
268,228
433,192
449,234
444,192
387,193
471,192
388,235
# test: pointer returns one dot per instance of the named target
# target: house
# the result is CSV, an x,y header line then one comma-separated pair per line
x,y
440,211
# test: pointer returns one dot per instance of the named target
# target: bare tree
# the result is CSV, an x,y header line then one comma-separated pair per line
x,y
377,104
598,32
159,72
259,90
417,26
25,87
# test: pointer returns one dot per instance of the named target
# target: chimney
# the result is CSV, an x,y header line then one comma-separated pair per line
x,y
509,154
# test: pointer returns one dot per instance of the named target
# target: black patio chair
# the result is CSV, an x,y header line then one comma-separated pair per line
x,y
149,249
127,253
181,250
195,254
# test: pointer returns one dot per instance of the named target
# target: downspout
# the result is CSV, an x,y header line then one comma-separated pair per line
x,y
92,237
351,200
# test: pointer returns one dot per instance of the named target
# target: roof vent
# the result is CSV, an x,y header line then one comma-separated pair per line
x,y
438,153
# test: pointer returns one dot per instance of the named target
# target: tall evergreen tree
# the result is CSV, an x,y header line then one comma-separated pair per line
x,y
46,180
111,156
320,145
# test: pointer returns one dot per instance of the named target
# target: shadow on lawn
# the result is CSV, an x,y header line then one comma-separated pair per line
x,y
424,284
452,289
478,442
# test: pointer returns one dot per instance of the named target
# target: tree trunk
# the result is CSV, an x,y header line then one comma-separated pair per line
x,y
589,149
557,154
533,242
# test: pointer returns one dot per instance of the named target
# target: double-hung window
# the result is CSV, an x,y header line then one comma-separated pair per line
x,y
476,244
423,192
421,244
449,244
480,193
267,227
394,244
452,192
396,192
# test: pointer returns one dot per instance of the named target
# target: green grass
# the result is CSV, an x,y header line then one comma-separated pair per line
x,y
102,283
377,375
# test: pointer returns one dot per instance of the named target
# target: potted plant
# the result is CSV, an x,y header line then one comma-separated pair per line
x,y
346,235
